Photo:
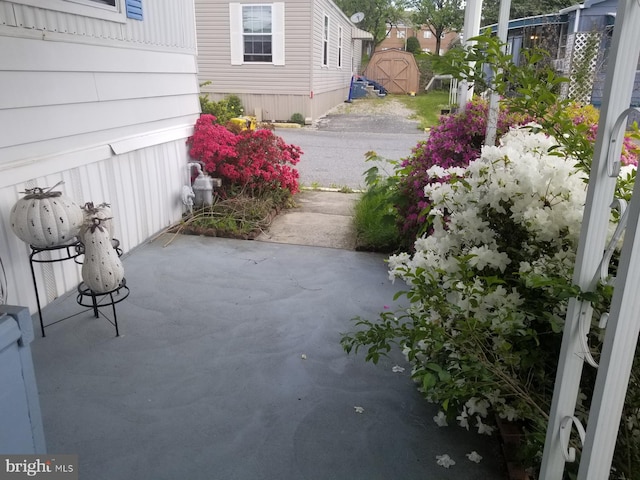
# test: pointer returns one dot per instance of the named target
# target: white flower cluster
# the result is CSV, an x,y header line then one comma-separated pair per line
x,y
446,461
516,210
541,193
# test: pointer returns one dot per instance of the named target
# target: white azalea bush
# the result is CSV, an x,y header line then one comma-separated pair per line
x,y
488,288
509,220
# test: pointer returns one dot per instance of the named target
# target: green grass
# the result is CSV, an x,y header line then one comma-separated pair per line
x,y
375,221
427,106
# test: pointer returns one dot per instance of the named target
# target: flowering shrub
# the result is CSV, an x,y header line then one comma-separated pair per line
x,y
457,140
224,110
251,160
490,280
454,142
488,288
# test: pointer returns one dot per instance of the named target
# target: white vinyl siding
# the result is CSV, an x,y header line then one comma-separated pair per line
x,y
113,10
104,105
258,40
168,26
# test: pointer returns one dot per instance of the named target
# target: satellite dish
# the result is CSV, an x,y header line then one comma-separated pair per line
x,y
357,17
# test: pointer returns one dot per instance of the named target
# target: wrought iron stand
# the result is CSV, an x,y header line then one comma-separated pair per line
x,y
86,297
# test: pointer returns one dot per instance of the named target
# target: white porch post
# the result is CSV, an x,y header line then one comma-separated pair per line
x,y
618,88
472,16
494,100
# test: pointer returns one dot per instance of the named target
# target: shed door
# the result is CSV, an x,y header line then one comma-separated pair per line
x,y
394,74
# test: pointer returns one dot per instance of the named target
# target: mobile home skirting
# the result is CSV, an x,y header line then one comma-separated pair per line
x,y
143,187
280,107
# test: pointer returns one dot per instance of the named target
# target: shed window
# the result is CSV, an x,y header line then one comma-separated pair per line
x,y
257,33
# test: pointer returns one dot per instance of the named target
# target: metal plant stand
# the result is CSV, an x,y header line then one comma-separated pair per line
x,y
70,251
86,297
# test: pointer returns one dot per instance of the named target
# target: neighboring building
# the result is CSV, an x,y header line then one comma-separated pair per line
x,y
397,36
280,58
100,94
578,39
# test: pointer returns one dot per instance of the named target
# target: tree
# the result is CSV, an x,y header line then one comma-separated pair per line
x,y
440,17
522,8
379,15
413,45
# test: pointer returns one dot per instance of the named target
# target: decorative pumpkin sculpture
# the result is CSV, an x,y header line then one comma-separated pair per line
x,y
45,218
102,270
102,211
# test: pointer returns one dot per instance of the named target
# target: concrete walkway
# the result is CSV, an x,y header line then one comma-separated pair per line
x,y
320,219
229,367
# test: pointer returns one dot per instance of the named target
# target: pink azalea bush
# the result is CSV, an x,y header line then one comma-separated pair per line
x,y
454,142
250,160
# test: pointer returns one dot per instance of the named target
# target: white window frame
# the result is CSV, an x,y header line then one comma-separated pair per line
x,y
340,47
85,8
427,34
400,33
237,34
269,34
326,27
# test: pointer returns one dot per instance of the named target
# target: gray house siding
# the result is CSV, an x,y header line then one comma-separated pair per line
x,y
276,92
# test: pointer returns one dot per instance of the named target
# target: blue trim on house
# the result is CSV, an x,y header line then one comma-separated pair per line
x,y
134,9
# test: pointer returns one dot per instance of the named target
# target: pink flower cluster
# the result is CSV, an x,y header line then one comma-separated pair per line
x,y
629,155
255,160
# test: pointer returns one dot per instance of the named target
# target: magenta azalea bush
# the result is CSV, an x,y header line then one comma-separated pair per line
x,y
254,161
454,142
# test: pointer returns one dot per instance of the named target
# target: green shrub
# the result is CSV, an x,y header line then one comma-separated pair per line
x,y
297,118
375,220
234,105
375,216
413,45
224,110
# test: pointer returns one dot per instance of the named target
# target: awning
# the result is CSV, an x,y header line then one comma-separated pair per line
x,y
358,34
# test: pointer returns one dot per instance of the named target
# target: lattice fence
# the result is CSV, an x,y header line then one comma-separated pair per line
x,y
583,50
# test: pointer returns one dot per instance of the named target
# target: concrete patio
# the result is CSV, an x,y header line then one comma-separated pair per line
x,y
229,366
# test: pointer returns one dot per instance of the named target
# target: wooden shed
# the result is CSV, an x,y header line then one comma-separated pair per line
x,y
395,69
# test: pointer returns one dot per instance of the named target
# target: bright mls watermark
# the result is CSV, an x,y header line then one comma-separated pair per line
x,y
47,467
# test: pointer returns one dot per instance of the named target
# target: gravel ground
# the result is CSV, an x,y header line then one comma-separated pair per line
x,y
334,147
373,106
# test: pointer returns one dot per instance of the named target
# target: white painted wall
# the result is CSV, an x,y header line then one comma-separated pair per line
x,y
104,105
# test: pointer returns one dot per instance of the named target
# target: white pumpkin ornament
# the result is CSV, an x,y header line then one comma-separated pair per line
x,y
102,211
45,219
102,270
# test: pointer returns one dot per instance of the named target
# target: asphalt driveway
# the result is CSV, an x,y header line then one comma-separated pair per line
x,y
335,147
